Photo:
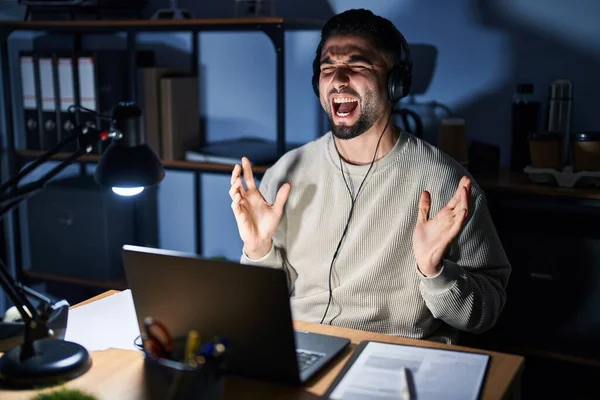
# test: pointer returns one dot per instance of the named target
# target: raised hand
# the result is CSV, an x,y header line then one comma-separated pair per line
x,y
432,237
257,220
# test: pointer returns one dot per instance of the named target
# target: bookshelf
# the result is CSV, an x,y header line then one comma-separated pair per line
x,y
273,27
181,165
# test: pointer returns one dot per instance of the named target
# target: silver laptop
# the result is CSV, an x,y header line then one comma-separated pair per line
x,y
249,305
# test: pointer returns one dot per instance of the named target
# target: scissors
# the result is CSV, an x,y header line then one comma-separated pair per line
x,y
157,345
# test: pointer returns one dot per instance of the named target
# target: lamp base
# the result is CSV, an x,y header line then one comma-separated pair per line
x,y
52,362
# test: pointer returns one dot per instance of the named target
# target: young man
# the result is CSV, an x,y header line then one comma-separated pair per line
x,y
375,229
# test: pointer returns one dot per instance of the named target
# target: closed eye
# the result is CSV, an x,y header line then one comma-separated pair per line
x,y
358,67
354,67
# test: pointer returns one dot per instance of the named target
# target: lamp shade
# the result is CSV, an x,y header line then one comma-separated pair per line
x,y
129,167
128,162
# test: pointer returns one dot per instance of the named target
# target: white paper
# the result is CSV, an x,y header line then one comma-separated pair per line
x,y
435,374
107,323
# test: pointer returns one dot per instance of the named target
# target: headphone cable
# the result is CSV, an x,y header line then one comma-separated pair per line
x,y
353,202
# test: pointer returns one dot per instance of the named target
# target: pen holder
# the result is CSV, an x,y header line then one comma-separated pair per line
x,y
172,379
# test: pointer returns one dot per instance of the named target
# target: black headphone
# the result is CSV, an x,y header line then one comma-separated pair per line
x,y
399,77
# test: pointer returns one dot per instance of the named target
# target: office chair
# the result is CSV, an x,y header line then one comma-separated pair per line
x,y
410,121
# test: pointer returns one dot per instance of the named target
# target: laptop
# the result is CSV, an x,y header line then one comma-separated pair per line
x,y
249,305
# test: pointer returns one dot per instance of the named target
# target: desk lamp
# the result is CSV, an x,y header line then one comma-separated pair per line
x,y
127,166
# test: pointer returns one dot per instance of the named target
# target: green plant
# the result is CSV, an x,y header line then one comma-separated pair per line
x,y
64,394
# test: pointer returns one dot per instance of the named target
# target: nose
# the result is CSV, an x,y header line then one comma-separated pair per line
x,y
340,78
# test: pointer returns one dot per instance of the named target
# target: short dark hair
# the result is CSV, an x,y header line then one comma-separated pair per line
x,y
385,36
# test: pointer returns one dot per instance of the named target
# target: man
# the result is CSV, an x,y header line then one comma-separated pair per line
x,y
375,229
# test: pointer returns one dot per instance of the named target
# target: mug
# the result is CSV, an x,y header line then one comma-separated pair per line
x,y
452,138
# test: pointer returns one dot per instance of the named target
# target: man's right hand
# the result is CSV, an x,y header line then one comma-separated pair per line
x,y
257,220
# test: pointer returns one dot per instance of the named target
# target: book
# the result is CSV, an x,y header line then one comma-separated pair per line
x,y
259,151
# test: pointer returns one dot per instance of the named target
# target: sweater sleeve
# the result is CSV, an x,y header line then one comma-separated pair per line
x,y
469,292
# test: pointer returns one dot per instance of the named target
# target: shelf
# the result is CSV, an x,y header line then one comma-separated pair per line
x,y
208,24
507,181
40,276
168,164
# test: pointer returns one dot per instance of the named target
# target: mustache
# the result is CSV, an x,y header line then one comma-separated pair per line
x,y
344,91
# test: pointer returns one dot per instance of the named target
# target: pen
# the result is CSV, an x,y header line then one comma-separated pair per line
x,y
406,395
191,346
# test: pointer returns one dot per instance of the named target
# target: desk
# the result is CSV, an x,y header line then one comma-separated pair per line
x,y
515,182
117,374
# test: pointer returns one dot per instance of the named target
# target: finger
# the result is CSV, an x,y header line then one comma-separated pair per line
x,y
468,187
457,194
235,173
424,207
248,175
235,203
455,199
281,197
465,200
237,187
458,223
463,203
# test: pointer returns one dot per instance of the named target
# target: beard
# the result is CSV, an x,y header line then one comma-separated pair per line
x,y
367,117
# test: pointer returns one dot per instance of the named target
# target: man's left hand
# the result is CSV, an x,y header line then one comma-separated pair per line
x,y
432,237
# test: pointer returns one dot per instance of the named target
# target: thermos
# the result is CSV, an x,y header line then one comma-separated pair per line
x,y
559,115
524,120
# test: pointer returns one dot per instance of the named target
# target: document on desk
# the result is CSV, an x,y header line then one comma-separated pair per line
x,y
376,371
107,323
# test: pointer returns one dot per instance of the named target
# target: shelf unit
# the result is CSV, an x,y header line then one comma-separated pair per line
x,y
273,27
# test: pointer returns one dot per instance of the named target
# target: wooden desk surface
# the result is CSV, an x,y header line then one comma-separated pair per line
x,y
117,374
508,181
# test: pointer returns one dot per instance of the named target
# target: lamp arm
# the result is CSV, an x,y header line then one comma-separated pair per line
x,y
42,159
13,199
15,293
86,137
9,199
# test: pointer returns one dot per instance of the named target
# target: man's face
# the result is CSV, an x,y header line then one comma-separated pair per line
x,y
352,84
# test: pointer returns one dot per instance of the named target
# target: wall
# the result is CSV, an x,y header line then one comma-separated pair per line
x,y
484,48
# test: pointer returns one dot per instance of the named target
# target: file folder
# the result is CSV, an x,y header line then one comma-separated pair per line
x,y
49,100
66,91
88,94
104,82
29,101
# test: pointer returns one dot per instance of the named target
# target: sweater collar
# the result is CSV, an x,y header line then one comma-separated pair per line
x,y
361,170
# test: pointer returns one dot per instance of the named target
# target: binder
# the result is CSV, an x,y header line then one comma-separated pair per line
x,y
66,94
150,99
46,72
103,82
29,101
88,93
180,114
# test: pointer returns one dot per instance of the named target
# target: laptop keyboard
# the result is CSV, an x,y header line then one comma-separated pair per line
x,y
306,358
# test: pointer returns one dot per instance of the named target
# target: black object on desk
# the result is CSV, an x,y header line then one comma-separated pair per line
x,y
173,374
43,358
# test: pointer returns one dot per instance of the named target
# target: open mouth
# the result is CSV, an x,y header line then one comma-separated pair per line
x,y
344,107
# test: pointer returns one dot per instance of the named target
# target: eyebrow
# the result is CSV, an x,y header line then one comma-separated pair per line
x,y
352,59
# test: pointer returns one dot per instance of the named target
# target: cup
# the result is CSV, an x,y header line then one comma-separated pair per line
x,y
586,151
452,139
545,150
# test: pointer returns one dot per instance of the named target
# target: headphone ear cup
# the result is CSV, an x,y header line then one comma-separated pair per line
x,y
315,76
397,83
315,84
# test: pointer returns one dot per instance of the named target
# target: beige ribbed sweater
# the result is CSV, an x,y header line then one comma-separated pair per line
x,y
376,284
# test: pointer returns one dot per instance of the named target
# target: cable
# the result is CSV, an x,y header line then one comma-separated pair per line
x,y
353,202
96,113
